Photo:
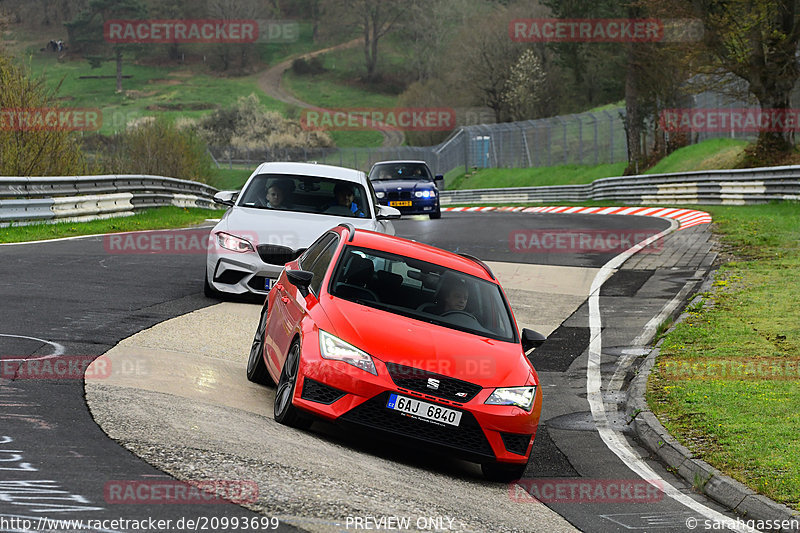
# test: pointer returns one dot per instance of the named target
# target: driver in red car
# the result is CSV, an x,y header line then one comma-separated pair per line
x,y
453,295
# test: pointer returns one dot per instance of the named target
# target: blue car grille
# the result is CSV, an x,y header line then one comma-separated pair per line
x,y
399,195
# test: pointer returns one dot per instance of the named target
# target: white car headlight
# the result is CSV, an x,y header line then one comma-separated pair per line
x,y
520,396
380,194
425,194
334,348
234,243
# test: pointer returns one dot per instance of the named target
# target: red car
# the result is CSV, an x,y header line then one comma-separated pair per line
x,y
401,337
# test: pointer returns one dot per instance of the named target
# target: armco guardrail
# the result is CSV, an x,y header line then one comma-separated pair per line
x,y
25,200
735,187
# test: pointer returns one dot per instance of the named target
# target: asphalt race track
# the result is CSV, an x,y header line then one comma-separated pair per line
x,y
76,298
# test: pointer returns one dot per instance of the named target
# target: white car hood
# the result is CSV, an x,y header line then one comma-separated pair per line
x,y
286,228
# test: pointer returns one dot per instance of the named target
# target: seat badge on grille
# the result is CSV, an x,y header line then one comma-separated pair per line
x,y
433,384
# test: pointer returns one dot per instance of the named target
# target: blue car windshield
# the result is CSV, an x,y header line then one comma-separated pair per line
x,y
401,171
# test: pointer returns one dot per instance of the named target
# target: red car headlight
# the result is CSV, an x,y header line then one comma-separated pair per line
x,y
334,348
522,397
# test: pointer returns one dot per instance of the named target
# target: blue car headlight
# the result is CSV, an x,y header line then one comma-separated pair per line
x,y
425,194
380,194
522,397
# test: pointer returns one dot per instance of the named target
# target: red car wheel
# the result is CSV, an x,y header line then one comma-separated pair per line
x,y
285,412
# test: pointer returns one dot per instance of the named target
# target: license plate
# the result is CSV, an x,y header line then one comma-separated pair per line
x,y
424,410
400,203
268,283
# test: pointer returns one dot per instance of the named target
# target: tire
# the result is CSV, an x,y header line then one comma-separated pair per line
x,y
436,214
284,411
256,367
503,471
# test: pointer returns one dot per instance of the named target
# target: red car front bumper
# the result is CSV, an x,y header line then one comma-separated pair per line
x,y
338,391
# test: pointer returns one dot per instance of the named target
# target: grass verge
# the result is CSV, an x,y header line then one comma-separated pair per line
x,y
490,178
147,219
707,155
746,427
227,179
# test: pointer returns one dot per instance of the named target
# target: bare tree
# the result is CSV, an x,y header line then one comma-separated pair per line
x,y
371,19
228,53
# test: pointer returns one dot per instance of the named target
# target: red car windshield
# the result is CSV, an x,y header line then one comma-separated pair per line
x,y
424,291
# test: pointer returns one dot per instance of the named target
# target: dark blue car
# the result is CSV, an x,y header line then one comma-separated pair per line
x,y
408,186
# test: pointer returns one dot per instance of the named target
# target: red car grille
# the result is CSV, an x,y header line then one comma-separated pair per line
x,y
467,437
516,443
432,384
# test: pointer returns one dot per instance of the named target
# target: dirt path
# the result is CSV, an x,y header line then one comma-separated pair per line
x,y
270,82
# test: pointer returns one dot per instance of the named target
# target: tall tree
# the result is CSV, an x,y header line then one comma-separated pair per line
x,y
86,30
597,69
757,40
372,19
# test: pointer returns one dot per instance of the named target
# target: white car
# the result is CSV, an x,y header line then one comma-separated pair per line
x,y
280,211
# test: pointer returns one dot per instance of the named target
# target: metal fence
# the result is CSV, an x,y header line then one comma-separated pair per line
x,y
580,139
590,138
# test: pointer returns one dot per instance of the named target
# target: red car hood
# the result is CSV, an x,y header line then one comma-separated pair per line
x,y
405,341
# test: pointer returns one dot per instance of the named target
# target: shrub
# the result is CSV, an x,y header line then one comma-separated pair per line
x,y
303,67
157,147
28,151
248,126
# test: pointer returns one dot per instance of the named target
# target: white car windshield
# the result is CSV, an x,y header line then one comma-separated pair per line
x,y
306,194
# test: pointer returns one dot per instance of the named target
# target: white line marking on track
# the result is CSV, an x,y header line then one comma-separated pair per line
x,y
612,439
58,349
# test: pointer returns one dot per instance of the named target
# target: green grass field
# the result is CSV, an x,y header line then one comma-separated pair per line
x,y
745,427
151,91
338,88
